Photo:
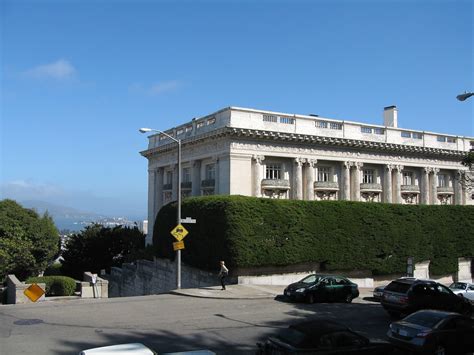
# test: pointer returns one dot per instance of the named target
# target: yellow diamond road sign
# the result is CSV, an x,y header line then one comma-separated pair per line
x,y
34,292
179,232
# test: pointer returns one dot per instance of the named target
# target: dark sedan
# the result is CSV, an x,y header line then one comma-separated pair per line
x,y
434,332
322,337
322,288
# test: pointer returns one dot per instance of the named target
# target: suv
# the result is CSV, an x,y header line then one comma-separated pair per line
x,y
407,295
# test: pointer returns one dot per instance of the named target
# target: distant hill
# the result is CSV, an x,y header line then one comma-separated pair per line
x,y
64,217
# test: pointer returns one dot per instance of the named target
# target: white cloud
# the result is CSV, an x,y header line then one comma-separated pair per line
x,y
59,70
157,88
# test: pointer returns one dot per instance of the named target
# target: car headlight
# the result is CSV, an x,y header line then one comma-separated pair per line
x,y
300,290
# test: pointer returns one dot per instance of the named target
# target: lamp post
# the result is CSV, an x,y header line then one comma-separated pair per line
x,y
178,218
465,96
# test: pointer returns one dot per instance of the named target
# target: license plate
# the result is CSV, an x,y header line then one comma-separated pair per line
x,y
403,333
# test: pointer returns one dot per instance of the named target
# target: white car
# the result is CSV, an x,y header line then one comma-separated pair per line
x,y
463,289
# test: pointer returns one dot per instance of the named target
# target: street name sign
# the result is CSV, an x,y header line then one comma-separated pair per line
x,y
179,232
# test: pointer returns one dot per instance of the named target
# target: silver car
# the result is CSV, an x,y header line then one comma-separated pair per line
x,y
463,289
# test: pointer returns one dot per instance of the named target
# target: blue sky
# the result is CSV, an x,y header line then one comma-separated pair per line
x,y
80,77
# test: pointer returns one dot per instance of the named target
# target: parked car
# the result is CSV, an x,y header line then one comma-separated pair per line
x,y
407,295
434,332
463,289
322,288
378,292
322,336
136,349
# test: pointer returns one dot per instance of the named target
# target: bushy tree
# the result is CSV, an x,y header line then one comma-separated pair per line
x,y
97,247
28,242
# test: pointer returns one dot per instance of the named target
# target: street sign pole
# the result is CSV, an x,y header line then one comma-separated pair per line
x,y
178,252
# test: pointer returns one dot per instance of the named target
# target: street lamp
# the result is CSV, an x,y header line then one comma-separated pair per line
x,y
178,221
465,96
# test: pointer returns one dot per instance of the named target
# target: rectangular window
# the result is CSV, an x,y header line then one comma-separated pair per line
x,y
368,177
450,139
321,124
324,174
270,118
442,180
186,175
406,134
200,124
408,178
180,131
366,129
287,120
417,135
211,121
335,125
273,172
210,171
169,177
189,128
379,131
441,139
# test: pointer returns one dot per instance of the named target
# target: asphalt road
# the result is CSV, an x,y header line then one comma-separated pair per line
x,y
168,323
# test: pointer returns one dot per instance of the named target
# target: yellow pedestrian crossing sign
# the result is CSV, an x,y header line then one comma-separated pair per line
x,y
179,232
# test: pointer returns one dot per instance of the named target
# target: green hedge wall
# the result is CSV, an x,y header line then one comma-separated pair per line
x,y
252,232
56,285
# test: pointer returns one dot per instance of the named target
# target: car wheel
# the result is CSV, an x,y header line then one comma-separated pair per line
x,y
440,350
348,298
310,298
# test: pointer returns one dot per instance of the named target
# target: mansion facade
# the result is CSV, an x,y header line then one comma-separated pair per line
x,y
250,152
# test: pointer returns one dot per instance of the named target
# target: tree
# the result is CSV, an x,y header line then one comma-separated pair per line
x,y
98,247
28,242
468,160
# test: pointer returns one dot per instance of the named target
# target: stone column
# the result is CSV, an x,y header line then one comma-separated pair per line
x,y
457,186
159,189
434,187
397,198
196,178
425,182
298,171
387,187
216,176
346,180
309,189
151,204
258,175
356,180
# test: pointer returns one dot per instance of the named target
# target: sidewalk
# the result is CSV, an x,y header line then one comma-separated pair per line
x,y
246,292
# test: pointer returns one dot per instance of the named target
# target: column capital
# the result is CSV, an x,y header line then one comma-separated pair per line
x,y
346,164
398,167
299,161
357,165
435,170
196,163
427,169
311,162
389,167
258,158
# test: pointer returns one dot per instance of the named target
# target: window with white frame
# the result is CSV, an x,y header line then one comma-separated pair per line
x,y
287,120
186,174
379,131
189,128
368,176
200,124
273,171
405,134
450,139
179,131
335,125
417,135
443,180
321,124
366,129
408,178
324,174
270,118
441,138
210,171
211,120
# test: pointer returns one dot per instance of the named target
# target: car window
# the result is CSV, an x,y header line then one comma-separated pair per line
x,y
471,288
423,289
443,289
341,339
399,287
340,281
458,286
426,319
311,279
325,282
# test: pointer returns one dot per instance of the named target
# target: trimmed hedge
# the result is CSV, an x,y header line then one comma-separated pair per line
x,y
55,285
252,232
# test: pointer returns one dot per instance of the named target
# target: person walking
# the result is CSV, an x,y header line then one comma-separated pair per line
x,y
223,273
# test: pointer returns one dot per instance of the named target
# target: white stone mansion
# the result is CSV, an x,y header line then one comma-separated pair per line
x,y
279,155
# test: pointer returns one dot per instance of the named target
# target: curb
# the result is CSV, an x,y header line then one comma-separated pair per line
x,y
179,293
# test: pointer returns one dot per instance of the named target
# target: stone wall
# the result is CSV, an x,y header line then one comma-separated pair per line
x,y
16,291
145,277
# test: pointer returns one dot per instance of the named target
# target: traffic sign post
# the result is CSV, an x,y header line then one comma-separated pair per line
x,y
179,232
178,245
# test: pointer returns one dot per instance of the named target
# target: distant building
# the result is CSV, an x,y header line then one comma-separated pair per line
x,y
289,156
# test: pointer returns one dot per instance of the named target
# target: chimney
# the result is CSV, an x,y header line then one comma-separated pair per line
x,y
390,116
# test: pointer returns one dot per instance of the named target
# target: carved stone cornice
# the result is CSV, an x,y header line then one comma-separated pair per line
x,y
410,188
445,190
305,138
326,185
370,187
281,184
